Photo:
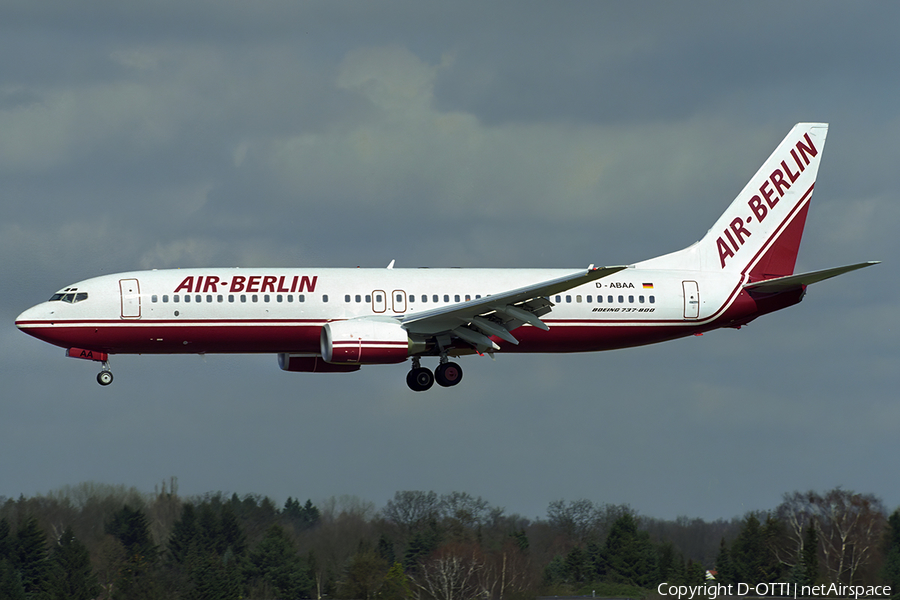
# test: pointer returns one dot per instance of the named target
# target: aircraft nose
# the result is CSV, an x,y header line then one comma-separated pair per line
x,y
28,317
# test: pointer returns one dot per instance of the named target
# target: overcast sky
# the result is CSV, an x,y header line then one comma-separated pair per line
x,y
206,133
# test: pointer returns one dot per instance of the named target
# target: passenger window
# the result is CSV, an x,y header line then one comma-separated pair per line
x,y
468,297
568,298
219,298
456,298
243,297
301,298
652,299
154,298
609,299
209,298
424,298
347,298
446,297
231,297
324,297
254,298
377,297
290,298
621,299
631,299
198,298
641,299
434,298
278,298
558,299
266,298
399,297
368,298
165,298
358,298
588,299
578,299
176,298
187,297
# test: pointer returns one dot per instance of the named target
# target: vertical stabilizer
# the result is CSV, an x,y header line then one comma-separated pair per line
x,y
759,234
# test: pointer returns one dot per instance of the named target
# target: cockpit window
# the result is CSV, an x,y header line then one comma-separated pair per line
x,y
70,295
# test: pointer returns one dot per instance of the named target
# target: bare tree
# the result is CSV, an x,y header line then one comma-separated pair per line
x,y
451,573
797,512
412,509
506,571
850,528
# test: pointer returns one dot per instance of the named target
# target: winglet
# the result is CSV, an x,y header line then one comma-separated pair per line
x,y
391,266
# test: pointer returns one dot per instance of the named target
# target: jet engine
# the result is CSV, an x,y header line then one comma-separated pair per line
x,y
367,341
304,363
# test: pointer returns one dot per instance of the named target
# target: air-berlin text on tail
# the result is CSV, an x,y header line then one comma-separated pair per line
x,y
770,192
252,283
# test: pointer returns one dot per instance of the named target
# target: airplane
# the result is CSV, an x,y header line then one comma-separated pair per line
x,y
335,320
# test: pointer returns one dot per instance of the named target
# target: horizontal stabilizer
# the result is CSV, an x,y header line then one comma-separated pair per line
x,y
782,284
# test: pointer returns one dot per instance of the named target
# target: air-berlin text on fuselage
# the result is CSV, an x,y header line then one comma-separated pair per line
x,y
770,192
251,283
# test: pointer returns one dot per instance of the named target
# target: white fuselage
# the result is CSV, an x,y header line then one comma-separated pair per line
x,y
283,310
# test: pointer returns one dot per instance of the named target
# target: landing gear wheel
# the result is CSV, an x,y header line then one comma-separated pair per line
x,y
104,377
448,374
419,379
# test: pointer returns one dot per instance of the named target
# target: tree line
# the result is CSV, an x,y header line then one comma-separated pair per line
x,y
97,541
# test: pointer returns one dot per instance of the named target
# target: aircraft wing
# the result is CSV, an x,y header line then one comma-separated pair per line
x,y
497,314
782,284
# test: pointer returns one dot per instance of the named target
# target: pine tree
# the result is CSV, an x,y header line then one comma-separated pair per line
x,y
131,529
184,535
10,582
275,565
233,536
74,577
396,584
724,566
629,554
810,556
32,559
136,579
576,565
385,550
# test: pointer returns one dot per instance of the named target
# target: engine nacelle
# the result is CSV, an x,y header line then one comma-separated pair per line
x,y
304,363
367,341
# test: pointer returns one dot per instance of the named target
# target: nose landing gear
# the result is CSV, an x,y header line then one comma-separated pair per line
x,y
105,377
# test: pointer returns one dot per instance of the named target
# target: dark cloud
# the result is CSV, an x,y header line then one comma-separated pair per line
x,y
205,133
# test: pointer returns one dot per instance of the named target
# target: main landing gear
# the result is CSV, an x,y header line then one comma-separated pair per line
x,y
105,377
420,378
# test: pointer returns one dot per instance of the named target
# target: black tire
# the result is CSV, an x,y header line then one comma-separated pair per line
x,y
104,377
448,374
419,379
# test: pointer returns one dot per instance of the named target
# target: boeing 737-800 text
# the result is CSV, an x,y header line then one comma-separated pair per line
x,y
336,320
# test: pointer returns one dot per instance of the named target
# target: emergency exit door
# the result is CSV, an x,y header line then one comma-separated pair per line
x,y
691,300
130,293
